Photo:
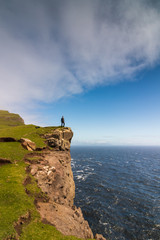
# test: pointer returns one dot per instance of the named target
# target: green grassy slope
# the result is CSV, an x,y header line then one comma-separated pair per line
x,y
14,201
10,119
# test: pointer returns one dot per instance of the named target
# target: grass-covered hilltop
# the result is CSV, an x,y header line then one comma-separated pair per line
x,y
19,189
10,119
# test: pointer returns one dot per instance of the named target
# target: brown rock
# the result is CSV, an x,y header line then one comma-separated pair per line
x,y
55,134
53,142
56,177
34,170
59,138
67,220
28,144
65,145
67,134
99,237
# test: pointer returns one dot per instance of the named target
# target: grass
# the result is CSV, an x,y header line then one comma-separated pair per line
x,y
26,131
14,201
33,189
10,119
38,231
12,151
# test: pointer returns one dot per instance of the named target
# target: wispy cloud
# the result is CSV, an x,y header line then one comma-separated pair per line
x,y
53,49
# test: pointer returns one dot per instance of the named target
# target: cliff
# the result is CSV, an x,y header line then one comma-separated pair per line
x,y
52,170
37,187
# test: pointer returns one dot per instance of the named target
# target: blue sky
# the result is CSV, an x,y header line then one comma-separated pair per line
x,y
95,62
125,113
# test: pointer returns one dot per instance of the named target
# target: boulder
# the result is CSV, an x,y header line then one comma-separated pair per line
x,y
28,144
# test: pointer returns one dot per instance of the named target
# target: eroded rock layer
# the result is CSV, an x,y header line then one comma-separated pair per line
x,y
54,176
52,170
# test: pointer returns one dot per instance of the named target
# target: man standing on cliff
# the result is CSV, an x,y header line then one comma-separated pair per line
x,y
62,122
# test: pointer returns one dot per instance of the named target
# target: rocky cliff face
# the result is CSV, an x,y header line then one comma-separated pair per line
x,y
52,169
46,186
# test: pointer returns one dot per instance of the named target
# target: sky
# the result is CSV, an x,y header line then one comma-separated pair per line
x,y
96,62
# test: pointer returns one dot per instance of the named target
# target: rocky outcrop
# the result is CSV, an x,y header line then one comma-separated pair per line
x,y
55,178
54,175
50,165
67,220
28,144
59,138
52,170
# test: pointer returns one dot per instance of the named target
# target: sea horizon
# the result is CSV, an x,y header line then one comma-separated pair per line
x,y
118,190
101,145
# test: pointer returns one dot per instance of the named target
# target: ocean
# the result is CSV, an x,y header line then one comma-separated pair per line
x,y
118,189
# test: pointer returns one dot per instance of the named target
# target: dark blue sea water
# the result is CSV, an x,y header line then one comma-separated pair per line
x,y
118,189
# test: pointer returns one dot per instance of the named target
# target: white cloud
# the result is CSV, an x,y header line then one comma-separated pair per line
x,y
49,50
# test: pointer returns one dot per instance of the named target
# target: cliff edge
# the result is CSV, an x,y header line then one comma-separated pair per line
x,y
52,170
37,189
